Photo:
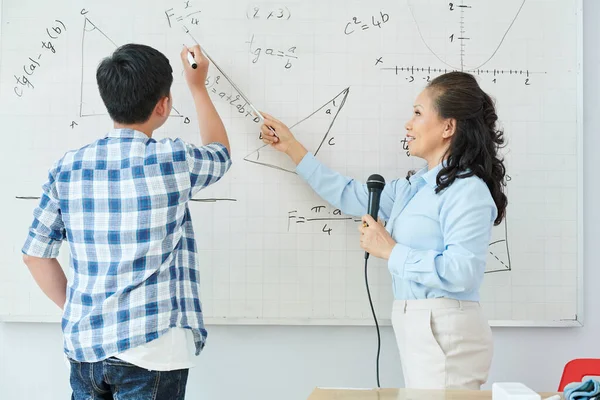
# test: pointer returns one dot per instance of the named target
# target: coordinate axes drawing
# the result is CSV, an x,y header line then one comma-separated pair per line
x,y
459,17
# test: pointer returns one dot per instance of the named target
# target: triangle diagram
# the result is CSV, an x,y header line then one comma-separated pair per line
x,y
95,45
312,131
498,258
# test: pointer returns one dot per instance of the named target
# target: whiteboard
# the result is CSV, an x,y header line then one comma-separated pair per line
x,y
344,75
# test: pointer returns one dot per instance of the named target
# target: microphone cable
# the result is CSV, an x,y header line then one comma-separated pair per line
x,y
376,323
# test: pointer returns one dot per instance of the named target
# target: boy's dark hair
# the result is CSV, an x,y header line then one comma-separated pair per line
x,y
132,80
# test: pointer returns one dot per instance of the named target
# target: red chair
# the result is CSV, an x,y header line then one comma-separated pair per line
x,y
575,370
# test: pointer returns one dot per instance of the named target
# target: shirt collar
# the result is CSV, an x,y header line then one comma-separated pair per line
x,y
125,133
429,176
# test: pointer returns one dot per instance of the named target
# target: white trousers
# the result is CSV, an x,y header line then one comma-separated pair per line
x,y
443,343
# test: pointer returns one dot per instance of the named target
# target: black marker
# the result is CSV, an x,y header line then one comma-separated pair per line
x,y
191,60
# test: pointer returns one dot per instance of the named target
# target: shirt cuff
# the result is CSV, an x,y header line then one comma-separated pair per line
x,y
41,247
397,260
307,166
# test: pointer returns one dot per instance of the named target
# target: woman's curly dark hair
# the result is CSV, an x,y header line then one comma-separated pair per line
x,y
474,146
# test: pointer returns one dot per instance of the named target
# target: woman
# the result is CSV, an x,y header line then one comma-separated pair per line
x,y
439,223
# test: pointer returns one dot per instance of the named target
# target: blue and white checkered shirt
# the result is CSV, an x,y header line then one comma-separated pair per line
x,y
122,204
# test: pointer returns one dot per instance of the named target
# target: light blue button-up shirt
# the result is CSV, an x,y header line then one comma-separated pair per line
x,y
442,239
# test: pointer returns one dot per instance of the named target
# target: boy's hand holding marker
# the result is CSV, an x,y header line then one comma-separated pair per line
x,y
195,65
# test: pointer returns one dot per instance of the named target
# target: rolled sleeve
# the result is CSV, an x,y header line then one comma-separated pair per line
x,y
47,231
398,260
207,164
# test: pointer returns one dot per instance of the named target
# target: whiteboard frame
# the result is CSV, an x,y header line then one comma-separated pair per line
x,y
578,321
580,234
310,322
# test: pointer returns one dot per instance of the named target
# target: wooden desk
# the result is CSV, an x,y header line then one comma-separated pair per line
x,y
404,394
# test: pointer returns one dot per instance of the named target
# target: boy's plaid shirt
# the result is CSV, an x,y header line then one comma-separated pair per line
x,y
122,205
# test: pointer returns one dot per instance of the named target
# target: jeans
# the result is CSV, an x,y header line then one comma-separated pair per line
x,y
116,379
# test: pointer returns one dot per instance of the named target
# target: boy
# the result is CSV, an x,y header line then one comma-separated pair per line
x,y
132,311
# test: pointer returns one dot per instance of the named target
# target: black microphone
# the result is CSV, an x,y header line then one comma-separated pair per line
x,y
375,184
